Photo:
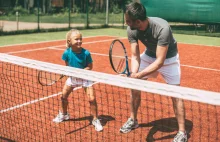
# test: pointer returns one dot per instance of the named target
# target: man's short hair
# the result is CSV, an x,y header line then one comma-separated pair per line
x,y
136,11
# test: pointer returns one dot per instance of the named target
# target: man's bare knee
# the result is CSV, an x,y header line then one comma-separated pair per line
x,y
92,100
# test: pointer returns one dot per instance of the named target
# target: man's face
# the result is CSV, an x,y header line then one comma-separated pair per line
x,y
133,24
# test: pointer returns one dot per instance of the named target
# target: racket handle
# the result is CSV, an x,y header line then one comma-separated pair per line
x,y
128,74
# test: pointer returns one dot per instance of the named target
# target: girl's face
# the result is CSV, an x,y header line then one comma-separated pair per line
x,y
75,41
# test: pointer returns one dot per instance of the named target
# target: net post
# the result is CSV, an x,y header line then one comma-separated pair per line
x,y
38,16
87,14
107,12
69,11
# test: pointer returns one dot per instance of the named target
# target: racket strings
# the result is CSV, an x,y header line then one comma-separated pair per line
x,y
118,57
47,78
120,66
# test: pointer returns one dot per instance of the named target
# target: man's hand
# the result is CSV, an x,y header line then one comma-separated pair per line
x,y
124,75
135,75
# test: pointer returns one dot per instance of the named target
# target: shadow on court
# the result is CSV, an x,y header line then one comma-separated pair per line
x,y
103,119
3,139
166,125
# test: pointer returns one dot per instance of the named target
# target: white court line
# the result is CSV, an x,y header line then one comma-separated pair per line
x,y
52,41
189,66
37,100
98,36
199,44
55,48
28,103
202,68
30,50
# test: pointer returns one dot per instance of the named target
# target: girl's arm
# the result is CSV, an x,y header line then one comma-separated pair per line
x,y
89,67
66,62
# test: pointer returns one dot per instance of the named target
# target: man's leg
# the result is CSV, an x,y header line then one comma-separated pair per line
x,y
171,72
134,105
179,110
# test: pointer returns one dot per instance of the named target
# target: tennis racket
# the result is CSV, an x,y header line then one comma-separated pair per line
x,y
118,57
48,78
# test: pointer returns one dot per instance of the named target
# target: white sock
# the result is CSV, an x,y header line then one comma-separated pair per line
x,y
181,132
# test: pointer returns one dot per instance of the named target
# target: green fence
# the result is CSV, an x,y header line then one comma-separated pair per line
x,y
61,14
189,11
197,12
200,17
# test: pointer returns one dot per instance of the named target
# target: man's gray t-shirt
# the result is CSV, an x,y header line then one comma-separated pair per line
x,y
157,33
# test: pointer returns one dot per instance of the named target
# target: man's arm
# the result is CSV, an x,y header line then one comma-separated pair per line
x,y
161,53
135,57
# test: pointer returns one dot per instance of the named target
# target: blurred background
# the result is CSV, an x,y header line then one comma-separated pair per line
x,y
200,17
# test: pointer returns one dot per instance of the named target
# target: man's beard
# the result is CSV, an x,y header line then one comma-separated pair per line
x,y
133,28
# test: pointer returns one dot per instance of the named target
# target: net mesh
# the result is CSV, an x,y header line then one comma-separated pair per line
x,y
28,108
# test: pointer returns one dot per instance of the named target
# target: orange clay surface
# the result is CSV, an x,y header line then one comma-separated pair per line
x,y
200,68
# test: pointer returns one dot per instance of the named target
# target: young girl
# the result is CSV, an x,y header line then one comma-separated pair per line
x,y
78,57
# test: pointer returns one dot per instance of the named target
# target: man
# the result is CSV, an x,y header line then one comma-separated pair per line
x,y
161,56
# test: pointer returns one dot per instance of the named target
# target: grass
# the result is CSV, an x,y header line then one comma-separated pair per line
x,y
96,18
100,18
37,37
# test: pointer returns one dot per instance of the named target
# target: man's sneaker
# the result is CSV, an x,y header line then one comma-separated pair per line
x,y
61,117
129,125
180,137
97,124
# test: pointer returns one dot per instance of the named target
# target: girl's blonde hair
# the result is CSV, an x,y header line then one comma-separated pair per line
x,y
69,35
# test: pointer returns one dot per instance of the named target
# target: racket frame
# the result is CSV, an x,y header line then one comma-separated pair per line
x,y
126,70
45,84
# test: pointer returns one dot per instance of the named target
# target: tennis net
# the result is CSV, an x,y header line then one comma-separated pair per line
x,y
27,108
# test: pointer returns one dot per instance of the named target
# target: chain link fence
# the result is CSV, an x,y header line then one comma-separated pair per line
x,y
24,16
58,14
